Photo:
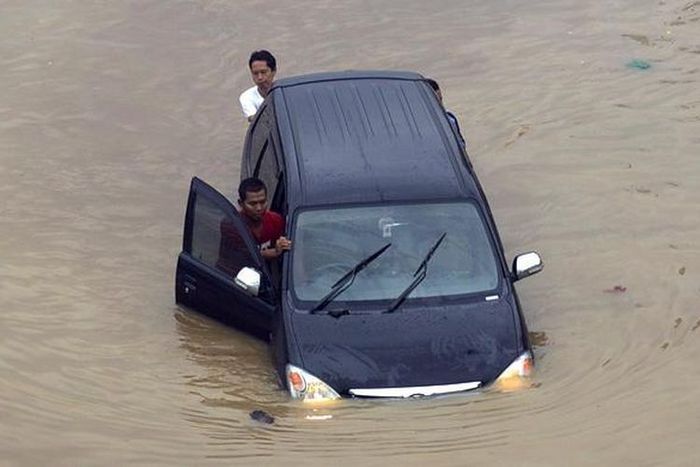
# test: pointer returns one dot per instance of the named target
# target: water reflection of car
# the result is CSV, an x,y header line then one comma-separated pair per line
x,y
397,284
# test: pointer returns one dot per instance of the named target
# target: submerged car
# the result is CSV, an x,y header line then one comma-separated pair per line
x,y
397,284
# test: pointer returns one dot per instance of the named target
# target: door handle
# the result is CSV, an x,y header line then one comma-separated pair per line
x,y
189,284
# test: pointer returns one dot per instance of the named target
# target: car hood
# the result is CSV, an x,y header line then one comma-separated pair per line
x,y
414,346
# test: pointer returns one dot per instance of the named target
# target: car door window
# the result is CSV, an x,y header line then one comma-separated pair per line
x,y
218,236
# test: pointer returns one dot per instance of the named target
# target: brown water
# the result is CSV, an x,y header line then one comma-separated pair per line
x,y
108,108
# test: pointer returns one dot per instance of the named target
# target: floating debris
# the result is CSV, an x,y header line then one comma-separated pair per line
x,y
638,64
538,338
262,417
520,131
642,39
616,289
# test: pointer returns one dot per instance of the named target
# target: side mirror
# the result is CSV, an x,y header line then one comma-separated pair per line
x,y
526,264
248,279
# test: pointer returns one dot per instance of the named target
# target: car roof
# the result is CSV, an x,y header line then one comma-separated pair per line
x,y
367,136
345,75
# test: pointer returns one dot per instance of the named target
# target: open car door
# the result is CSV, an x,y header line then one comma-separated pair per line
x,y
220,271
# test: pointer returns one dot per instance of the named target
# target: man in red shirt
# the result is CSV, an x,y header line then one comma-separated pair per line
x,y
266,226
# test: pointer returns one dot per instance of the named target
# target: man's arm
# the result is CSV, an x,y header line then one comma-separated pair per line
x,y
281,245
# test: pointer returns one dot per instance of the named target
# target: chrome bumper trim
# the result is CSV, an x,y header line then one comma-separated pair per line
x,y
415,391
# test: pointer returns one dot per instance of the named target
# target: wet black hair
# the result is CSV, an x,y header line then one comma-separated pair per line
x,y
250,185
263,56
433,84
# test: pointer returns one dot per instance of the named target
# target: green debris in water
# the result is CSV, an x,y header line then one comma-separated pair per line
x,y
639,64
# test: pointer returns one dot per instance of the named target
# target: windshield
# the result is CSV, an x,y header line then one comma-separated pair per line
x,y
329,242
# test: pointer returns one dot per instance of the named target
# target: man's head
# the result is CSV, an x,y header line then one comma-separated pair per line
x,y
252,197
436,87
263,67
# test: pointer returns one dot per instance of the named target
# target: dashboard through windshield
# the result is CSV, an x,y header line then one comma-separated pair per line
x,y
330,242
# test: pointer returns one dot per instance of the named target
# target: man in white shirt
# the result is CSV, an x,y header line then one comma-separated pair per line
x,y
263,67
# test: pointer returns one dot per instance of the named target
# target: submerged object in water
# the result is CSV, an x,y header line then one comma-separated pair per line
x,y
638,64
262,417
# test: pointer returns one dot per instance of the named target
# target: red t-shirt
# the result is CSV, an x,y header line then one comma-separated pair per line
x,y
233,253
270,230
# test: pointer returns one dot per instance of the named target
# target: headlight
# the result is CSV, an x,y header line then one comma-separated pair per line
x,y
517,375
307,387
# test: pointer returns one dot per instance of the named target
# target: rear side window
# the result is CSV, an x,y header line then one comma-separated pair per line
x,y
266,168
258,136
216,241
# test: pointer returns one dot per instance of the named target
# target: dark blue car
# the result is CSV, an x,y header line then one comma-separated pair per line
x,y
397,284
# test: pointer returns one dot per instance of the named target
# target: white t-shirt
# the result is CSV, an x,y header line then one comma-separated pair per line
x,y
251,100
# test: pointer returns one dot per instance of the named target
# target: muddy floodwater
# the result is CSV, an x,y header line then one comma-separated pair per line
x,y
583,124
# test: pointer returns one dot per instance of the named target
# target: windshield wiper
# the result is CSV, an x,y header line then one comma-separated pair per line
x,y
419,275
348,278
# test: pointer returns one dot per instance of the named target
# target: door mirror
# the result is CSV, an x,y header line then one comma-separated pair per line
x,y
526,264
248,279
